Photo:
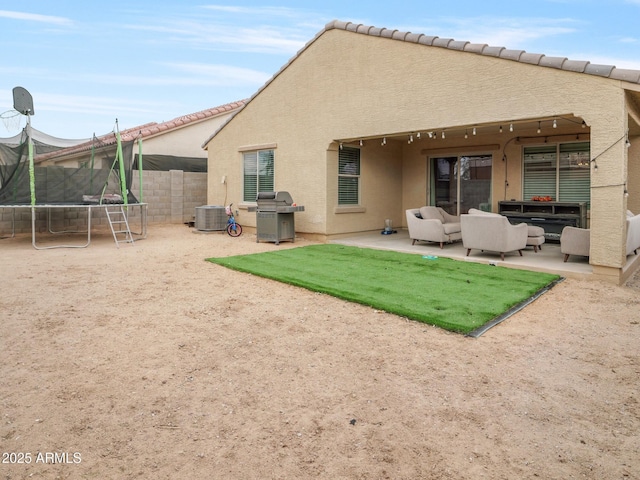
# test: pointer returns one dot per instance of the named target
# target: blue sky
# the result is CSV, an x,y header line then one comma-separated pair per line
x,y
87,64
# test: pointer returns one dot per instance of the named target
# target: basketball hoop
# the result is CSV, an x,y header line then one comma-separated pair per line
x,y
22,101
11,120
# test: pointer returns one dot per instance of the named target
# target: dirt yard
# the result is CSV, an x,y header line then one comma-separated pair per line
x,y
148,362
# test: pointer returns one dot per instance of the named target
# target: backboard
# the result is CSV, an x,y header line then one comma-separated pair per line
x,y
22,101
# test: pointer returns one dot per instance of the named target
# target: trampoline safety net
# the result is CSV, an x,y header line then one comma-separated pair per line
x,y
62,185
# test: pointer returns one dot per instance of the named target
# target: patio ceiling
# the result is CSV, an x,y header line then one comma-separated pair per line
x,y
547,126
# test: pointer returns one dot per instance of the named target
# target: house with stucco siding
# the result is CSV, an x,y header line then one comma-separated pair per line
x,y
364,123
172,144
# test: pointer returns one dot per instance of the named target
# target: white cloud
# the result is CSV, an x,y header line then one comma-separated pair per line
x,y
271,40
208,74
271,30
259,11
33,17
185,75
96,105
504,32
617,62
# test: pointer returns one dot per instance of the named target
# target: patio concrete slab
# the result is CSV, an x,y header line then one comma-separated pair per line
x,y
549,259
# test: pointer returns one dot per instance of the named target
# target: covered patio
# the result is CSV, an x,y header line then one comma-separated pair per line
x,y
549,259
427,121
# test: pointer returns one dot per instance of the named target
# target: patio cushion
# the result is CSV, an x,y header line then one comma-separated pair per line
x,y
534,231
450,228
431,213
475,211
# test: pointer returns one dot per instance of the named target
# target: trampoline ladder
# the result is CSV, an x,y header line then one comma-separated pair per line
x,y
119,225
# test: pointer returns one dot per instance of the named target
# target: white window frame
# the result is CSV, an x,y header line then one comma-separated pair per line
x,y
351,174
563,163
260,157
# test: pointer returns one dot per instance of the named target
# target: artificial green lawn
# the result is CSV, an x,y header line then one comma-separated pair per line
x,y
454,295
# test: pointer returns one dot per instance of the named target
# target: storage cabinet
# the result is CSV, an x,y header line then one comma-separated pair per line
x,y
552,216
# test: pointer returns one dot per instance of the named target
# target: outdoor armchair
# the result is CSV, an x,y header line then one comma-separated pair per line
x,y
492,232
433,224
633,233
575,241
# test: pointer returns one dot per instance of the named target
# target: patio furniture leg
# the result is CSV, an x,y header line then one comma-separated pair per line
x,y
566,257
468,251
441,244
413,242
502,256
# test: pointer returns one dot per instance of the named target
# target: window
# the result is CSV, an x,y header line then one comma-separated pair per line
x,y
349,176
560,171
258,173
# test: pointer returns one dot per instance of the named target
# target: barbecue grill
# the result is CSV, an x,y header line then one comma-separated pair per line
x,y
274,217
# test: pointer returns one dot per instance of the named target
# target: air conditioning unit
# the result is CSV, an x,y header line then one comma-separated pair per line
x,y
210,218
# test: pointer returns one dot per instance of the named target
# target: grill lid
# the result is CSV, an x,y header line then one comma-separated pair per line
x,y
279,198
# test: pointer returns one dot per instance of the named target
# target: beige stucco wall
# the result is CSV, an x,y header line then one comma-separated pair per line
x,y
349,86
633,186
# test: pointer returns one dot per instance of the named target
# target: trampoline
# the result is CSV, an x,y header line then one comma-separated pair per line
x,y
47,192
87,210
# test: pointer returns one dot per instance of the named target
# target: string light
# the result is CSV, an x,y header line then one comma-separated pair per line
x,y
474,131
624,137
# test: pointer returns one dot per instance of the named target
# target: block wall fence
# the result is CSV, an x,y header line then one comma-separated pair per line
x,y
171,197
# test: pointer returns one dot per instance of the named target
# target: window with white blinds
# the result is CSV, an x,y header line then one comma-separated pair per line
x,y
560,171
258,173
349,176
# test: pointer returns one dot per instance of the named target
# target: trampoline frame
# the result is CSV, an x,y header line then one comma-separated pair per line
x,y
142,234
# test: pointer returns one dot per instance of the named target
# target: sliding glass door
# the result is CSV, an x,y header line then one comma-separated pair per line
x,y
460,183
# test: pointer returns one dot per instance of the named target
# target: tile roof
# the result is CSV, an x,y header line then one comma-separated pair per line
x,y
561,63
145,130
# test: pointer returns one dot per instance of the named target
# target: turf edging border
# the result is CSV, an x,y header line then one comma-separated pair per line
x,y
513,310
